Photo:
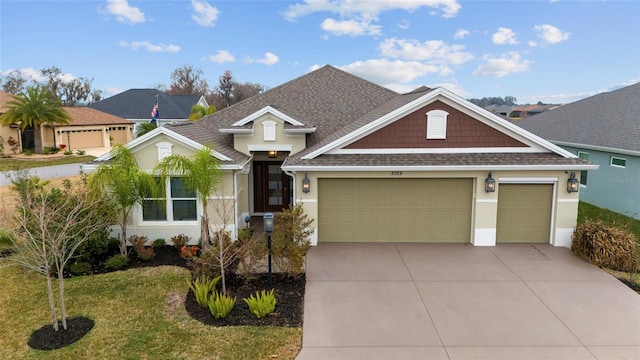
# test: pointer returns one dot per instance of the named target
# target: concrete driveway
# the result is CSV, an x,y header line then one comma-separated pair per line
x,y
448,301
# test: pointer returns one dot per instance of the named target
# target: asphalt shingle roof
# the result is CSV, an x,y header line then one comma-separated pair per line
x,y
137,104
609,119
88,116
337,103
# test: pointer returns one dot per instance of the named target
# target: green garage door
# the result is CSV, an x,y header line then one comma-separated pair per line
x,y
524,213
394,210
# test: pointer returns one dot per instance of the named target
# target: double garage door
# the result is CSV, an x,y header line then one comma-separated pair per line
x,y
426,210
395,210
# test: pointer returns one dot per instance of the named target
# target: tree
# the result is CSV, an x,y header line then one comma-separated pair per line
x,y
145,128
52,225
229,92
188,81
201,174
125,184
199,111
14,83
36,108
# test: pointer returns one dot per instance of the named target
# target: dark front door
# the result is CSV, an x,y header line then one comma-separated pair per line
x,y
28,139
272,190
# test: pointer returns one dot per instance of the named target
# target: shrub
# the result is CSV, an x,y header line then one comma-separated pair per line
x,y
188,252
46,151
14,144
68,152
255,249
262,303
605,246
80,268
96,246
202,288
81,152
116,262
220,305
142,252
180,240
158,243
290,239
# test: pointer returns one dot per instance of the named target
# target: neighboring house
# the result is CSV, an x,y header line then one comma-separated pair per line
x,y
530,110
90,128
604,129
7,132
368,165
136,105
502,110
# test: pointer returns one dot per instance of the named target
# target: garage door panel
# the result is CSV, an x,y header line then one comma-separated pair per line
x,y
524,213
405,210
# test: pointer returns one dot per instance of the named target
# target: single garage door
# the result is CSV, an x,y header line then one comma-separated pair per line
x,y
394,210
524,213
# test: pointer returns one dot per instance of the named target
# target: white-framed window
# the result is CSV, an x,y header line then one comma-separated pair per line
x,y
269,130
583,173
180,203
437,124
618,162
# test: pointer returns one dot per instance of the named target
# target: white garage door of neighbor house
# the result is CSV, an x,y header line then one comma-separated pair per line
x,y
394,210
524,213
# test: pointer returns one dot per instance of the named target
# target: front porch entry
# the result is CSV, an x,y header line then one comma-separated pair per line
x,y
272,190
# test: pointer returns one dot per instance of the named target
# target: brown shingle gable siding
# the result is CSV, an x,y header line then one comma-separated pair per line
x,y
463,131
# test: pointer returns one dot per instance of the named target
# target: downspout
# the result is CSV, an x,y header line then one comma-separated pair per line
x,y
236,191
292,174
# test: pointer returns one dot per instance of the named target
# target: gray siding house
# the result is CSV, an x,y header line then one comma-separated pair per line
x,y
604,129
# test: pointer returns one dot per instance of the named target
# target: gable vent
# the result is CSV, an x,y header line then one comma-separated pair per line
x,y
437,124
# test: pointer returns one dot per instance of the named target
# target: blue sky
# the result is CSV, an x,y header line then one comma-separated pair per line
x,y
550,51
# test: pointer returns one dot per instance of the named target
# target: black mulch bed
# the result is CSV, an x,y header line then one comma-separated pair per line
x,y
633,285
289,293
165,255
46,338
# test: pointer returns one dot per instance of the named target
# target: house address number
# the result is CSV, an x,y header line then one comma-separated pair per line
x,y
396,173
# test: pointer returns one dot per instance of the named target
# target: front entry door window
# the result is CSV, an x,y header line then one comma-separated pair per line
x,y
272,191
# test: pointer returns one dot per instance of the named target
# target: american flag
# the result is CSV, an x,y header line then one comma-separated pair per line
x,y
155,112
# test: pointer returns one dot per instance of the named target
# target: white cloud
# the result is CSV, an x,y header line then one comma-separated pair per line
x,y
125,12
386,72
268,59
404,24
509,63
135,45
31,74
461,33
350,27
504,36
357,16
112,90
205,14
551,34
432,50
222,56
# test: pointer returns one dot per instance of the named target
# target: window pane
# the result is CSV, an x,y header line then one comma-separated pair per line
x,y
154,210
184,210
618,161
583,177
180,190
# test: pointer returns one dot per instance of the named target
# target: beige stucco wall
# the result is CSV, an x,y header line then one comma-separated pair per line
x,y
243,141
6,132
484,205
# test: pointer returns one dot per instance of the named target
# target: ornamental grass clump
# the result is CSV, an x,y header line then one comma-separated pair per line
x,y
220,305
606,246
262,303
202,288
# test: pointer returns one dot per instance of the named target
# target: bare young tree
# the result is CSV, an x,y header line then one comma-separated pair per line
x,y
51,225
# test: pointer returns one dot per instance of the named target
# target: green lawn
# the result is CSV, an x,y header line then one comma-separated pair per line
x,y
138,314
7,164
588,211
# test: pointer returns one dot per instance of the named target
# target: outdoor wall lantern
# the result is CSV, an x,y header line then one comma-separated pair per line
x,y
306,184
268,229
489,184
272,154
573,184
